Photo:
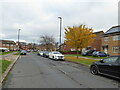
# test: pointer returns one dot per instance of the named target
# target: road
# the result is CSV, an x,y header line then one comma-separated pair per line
x,y
32,71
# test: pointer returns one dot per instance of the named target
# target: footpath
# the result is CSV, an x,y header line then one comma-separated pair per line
x,y
89,58
13,59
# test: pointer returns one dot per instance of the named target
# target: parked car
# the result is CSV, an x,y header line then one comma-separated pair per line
x,y
40,53
34,50
56,55
109,66
99,54
88,53
28,50
4,49
23,52
46,54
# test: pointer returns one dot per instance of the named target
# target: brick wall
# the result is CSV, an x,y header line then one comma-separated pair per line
x,y
111,44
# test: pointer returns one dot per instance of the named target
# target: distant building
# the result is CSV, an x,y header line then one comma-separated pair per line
x,y
8,44
111,41
48,47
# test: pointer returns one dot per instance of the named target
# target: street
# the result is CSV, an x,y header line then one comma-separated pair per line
x,y
33,71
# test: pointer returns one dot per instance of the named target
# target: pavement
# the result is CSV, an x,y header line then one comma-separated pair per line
x,y
32,71
89,58
8,56
13,59
86,57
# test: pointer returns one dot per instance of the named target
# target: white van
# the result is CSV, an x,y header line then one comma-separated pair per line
x,y
4,49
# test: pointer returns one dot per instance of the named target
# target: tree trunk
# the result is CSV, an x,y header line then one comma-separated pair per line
x,y
77,53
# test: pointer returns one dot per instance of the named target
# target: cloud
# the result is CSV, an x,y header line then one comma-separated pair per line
x,y
38,17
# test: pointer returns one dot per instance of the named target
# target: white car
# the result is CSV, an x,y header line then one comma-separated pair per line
x,y
40,53
56,55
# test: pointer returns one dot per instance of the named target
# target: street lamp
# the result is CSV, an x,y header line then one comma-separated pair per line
x,y
18,38
60,27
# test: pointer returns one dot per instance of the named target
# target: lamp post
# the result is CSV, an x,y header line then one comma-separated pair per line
x,y
60,28
18,38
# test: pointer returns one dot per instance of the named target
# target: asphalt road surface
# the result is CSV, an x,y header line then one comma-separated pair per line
x,y
32,71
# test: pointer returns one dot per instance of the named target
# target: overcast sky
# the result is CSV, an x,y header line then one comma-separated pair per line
x,y
40,17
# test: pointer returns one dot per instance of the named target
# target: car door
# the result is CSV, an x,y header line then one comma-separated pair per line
x,y
118,68
109,66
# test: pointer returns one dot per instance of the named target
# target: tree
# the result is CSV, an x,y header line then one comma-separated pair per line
x,y
79,36
48,41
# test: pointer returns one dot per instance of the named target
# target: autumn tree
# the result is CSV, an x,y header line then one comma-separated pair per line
x,y
79,36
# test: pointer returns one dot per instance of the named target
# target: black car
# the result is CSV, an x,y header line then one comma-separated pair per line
x,y
88,53
109,66
46,54
23,52
99,54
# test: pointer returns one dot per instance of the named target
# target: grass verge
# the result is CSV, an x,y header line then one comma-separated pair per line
x,y
4,65
4,53
35,52
85,56
80,60
18,53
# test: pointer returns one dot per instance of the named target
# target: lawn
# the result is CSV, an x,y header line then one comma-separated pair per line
x,y
4,65
35,52
18,53
79,60
4,53
85,56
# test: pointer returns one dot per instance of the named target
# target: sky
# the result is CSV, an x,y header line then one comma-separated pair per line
x,y
40,17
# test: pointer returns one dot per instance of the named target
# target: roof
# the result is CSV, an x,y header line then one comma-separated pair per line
x,y
98,32
7,42
114,29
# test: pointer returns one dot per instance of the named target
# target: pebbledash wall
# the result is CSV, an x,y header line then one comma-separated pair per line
x,y
111,41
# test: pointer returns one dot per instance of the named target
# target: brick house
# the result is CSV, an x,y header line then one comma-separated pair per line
x,y
65,47
8,44
48,47
111,41
97,43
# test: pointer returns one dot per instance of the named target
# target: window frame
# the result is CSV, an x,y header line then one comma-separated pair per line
x,y
106,39
116,37
113,49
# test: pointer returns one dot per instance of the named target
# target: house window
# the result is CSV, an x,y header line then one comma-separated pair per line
x,y
117,37
7,44
105,38
116,49
4,44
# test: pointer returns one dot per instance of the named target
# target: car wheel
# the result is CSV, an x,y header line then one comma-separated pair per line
x,y
94,70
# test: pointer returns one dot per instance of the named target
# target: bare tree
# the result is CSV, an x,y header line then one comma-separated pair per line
x,y
48,41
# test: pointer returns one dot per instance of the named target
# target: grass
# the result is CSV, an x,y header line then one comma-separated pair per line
x,y
35,52
4,65
80,60
18,53
4,53
85,56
